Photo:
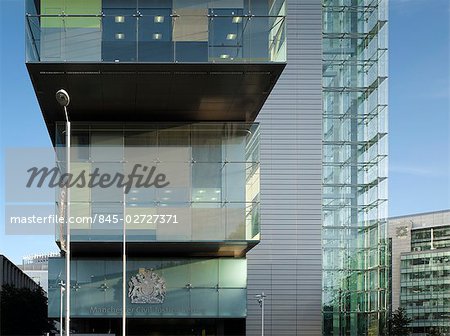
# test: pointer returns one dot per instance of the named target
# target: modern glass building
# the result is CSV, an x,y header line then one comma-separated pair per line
x,y
421,269
165,93
355,267
282,194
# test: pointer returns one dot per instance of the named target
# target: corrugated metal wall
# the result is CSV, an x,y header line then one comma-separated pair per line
x,y
286,265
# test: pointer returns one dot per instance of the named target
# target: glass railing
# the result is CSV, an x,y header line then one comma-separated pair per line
x,y
147,35
207,222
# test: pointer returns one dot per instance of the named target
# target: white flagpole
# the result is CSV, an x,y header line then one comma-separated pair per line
x,y
124,270
68,131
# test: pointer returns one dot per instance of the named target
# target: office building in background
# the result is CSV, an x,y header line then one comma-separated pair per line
x,y
421,269
36,267
11,275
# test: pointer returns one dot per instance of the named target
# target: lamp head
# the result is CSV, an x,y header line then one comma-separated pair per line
x,y
62,97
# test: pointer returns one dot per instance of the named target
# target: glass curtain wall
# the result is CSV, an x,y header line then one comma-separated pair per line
x,y
213,196
210,190
188,288
355,264
185,31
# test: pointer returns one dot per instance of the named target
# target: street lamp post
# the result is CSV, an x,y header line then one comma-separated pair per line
x,y
63,99
61,300
261,297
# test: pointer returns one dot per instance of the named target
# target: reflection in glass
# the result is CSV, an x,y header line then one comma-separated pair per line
x,y
167,31
193,287
210,190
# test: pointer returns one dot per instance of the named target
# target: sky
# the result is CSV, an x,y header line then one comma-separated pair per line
x,y
419,105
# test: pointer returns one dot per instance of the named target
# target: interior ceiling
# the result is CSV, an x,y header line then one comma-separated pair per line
x,y
153,92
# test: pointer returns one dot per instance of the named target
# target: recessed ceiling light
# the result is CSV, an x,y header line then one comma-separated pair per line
x,y
214,199
224,56
157,36
231,36
201,191
218,191
237,19
120,36
197,198
165,198
120,19
159,19
168,191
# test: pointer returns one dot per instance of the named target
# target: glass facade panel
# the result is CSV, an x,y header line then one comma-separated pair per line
x,y
231,303
205,302
163,32
354,167
232,273
118,40
191,287
56,265
209,187
208,222
205,273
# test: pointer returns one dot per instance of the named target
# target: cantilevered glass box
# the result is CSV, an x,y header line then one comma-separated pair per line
x,y
209,197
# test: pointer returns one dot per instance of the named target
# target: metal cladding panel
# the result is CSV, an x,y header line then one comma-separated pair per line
x,y
286,265
154,92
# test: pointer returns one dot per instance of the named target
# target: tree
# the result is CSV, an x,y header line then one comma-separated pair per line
x,y
398,323
23,311
434,332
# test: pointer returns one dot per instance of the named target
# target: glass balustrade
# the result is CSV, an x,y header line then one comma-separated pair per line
x,y
156,32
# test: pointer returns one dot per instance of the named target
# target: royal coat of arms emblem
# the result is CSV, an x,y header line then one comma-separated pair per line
x,y
147,287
